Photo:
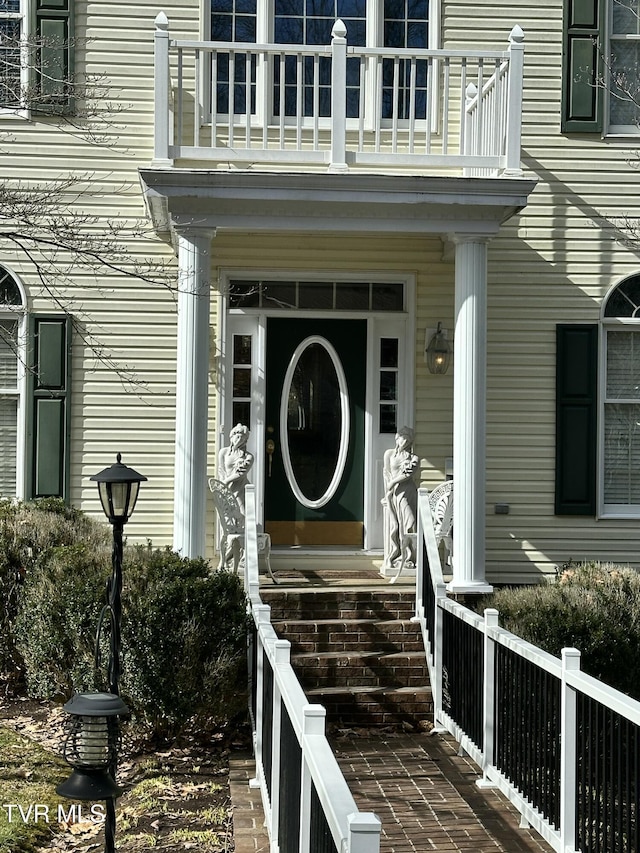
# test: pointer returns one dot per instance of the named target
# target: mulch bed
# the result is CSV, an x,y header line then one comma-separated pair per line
x,y
176,796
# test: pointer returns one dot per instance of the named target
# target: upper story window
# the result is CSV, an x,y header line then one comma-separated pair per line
x,y
624,62
621,400
396,23
11,71
36,55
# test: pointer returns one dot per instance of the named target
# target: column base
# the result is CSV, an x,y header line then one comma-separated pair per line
x,y
468,587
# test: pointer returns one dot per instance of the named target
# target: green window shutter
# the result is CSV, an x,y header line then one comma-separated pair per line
x,y
49,415
576,419
582,96
53,28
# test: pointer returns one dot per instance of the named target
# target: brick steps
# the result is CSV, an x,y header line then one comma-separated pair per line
x,y
356,652
372,707
349,635
337,604
361,669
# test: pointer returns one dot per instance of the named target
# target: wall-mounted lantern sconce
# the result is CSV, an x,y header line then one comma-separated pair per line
x,y
437,350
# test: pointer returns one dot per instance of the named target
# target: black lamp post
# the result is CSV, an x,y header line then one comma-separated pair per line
x,y
91,747
118,488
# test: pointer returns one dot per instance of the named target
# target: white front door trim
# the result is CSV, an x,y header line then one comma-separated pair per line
x,y
253,321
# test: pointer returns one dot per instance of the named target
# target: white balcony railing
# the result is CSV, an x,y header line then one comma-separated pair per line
x,y
338,106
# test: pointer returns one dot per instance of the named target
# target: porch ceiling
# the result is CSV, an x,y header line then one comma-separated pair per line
x,y
334,202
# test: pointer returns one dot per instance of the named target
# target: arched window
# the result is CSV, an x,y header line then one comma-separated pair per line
x,y
620,452
12,384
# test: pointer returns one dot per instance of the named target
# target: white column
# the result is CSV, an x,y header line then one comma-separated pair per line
x,y
194,275
469,415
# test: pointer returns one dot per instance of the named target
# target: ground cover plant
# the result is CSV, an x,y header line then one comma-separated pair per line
x,y
592,607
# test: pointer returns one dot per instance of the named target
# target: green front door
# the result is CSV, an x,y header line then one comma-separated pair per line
x,y
314,437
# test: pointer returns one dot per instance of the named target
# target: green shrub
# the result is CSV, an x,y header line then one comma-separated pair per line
x,y
59,609
183,633
593,607
27,530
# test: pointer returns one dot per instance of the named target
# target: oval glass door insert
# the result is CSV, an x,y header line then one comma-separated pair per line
x,y
314,422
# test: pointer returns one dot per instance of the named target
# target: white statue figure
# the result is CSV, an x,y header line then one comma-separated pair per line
x,y
400,500
234,463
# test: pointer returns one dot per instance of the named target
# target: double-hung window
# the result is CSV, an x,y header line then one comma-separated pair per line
x,y
624,66
36,55
620,407
12,67
601,59
390,24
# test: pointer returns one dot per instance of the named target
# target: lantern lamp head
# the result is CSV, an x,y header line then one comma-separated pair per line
x,y
118,488
438,352
91,745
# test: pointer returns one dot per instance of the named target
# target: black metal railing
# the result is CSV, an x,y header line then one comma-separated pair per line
x,y
608,764
428,596
320,838
267,719
527,731
290,783
463,675
252,659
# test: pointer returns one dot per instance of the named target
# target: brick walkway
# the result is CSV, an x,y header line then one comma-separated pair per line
x,y
422,791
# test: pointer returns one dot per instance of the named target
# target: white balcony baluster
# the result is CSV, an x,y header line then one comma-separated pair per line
x,y
427,118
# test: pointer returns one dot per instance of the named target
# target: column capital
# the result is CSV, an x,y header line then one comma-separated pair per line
x,y
193,231
461,237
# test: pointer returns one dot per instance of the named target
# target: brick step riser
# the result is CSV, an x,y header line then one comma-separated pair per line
x,y
308,613
356,711
384,637
379,673
298,606
363,679
308,645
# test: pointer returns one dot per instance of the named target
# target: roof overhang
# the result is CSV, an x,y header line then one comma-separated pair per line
x,y
358,203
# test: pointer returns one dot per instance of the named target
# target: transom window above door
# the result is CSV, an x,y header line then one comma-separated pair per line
x,y
317,295
395,24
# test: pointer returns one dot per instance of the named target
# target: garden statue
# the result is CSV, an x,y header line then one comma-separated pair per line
x,y
400,501
234,463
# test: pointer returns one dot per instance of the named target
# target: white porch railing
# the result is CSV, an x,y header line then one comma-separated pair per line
x,y
338,106
562,746
307,804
